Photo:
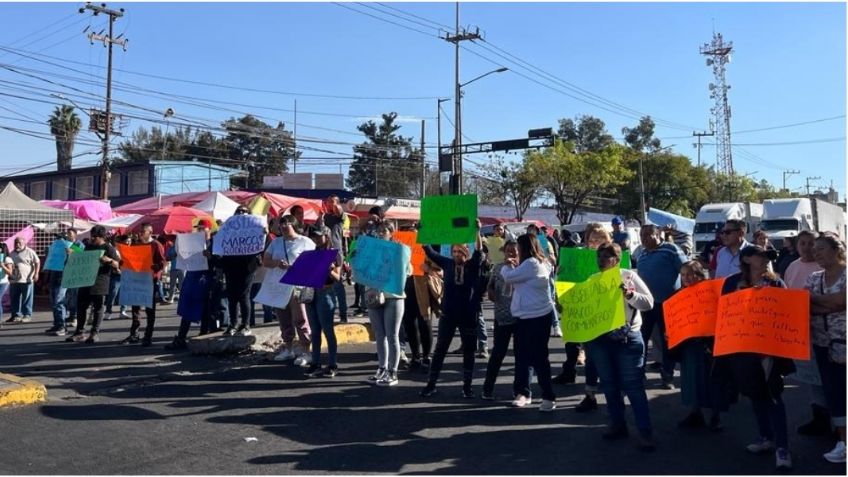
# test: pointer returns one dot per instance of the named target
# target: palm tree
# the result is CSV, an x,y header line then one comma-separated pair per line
x,y
64,126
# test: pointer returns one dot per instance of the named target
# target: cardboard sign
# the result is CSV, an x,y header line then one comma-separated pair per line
x,y
311,268
692,311
136,288
190,249
240,235
138,258
769,321
81,269
56,255
578,264
273,293
593,307
448,219
381,264
409,238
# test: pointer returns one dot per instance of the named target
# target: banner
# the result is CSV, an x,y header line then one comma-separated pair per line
x,y
381,264
25,233
578,264
81,269
273,293
190,249
311,268
593,307
137,258
409,238
692,311
240,235
136,289
56,255
770,321
448,219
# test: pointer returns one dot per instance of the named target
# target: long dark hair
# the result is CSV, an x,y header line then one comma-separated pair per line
x,y
528,247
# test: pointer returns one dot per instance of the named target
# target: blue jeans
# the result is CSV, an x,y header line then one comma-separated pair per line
x,y
57,299
320,315
340,295
21,296
114,288
386,321
3,288
771,420
620,367
71,302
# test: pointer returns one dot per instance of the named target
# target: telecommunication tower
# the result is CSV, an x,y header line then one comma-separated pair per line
x,y
718,56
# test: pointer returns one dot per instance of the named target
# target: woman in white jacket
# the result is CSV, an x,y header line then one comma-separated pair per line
x,y
533,307
618,355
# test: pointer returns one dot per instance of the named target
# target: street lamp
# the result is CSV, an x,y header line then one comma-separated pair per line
x,y
456,183
642,183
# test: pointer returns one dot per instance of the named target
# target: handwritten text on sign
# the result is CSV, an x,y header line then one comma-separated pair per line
x,y
448,219
770,321
578,264
240,235
136,289
692,312
81,269
592,308
380,264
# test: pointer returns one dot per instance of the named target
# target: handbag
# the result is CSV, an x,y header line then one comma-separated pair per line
x,y
374,298
304,294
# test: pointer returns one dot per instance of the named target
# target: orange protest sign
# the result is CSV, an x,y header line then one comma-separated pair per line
x,y
692,312
408,238
137,258
770,321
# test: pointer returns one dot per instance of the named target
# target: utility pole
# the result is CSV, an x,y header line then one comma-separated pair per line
x,y
460,36
423,163
439,138
699,135
643,214
108,41
788,173
294,137
808,182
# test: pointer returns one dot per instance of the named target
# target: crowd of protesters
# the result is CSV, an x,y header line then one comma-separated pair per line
x,y
516,274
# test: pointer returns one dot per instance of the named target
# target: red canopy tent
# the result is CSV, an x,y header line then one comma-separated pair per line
x,y
171,220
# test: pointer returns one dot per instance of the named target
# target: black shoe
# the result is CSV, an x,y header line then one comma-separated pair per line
x,y
564,378
693,421
313,371
131,339
414,364
818,426
715,424
92,338
457,351
483,354
429,390
646,444
588,403
231,331
615,432
331,371
343,319
146,342
177,344
54,329
77,336
467,391
655,366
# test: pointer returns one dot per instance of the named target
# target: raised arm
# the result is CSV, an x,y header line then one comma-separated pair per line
x,y
439,259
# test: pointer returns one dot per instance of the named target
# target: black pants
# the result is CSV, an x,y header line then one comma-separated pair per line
x,y
238,296
150,314
572,351
503,334
651,318
419,332
531,349
84,300
358,292
448,325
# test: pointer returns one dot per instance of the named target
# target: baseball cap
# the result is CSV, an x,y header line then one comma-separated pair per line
x,y
617,220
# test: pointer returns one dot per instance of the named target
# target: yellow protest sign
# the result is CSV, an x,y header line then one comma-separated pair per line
x,y
591,308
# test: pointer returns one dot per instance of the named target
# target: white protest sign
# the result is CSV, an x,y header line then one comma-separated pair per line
x,y
240,235
190,249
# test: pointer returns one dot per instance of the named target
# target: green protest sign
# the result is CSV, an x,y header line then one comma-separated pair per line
x,y
448,219
593,307
578,264
81,269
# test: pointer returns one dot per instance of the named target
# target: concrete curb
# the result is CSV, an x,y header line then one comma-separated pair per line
x,y
19,391
267,339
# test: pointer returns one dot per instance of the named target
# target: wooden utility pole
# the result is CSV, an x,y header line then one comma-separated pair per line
x,y
699,135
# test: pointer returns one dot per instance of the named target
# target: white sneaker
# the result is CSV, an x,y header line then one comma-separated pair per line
x,y
837,455
547,406
557,332
125,314
305,359
762,445
520,401
388,379
377,376
107,316
783,459
285,355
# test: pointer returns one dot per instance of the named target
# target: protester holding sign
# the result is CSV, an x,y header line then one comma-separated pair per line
x,y
53,265
319,310
158,265
459,309
194,303
240,263
500,293
531,304
697,389
827,307
93,296
619,354
760,377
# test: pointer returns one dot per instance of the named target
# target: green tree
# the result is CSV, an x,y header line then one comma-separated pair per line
x,y
386,164
672,184
641,138
512,183
574,179
587,133
258,148
64,125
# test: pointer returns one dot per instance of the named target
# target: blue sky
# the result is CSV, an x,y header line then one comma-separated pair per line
x,y
788,67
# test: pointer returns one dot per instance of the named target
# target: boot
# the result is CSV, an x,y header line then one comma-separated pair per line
x,y
148,331
133,337
819,425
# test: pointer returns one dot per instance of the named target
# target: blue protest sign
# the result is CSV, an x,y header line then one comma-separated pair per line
x,y
136,289
56,255
381,264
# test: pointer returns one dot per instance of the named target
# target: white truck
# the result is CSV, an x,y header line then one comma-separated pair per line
x,y
712,217
784,218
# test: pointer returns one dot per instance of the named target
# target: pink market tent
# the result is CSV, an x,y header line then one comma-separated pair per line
x,y
280,204
152,204
93,210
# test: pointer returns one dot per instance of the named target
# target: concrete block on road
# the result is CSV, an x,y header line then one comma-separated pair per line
x,y
268,339
15,391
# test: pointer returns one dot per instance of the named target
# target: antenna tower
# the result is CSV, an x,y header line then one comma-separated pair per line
x,y
718,56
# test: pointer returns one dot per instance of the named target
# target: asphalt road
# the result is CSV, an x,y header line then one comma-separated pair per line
x,y
116,409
